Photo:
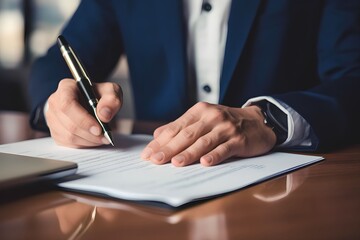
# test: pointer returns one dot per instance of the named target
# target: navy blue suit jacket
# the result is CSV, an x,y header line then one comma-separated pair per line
x,y
304,52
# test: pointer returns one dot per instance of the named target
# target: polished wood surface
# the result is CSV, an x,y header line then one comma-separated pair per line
x,y
321,201
14,126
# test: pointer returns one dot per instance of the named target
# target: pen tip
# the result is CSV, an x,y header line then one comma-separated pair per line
x,y
109,138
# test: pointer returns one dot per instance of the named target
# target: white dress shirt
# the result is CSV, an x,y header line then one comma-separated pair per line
x,y
207,23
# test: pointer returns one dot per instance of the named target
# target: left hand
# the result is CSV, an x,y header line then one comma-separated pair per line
x,y
211,133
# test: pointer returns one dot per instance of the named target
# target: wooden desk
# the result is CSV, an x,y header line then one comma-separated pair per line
x,y
14,127
318,202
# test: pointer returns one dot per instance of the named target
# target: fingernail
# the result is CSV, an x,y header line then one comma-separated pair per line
x,y
146,153
179,159
95,131
106,112
158,157
105,141
208,159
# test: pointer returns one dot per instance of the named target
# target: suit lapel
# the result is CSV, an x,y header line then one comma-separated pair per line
x,y
171,23
241,17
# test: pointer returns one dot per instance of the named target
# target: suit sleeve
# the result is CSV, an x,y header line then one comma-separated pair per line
x,y
93,33
332,108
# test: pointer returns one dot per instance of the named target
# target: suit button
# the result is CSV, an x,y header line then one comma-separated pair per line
x,y
207,7
207,88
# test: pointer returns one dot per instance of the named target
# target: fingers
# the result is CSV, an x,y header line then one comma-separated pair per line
x,y
70,123
184,138
66,132
211,146
191,144
159,130
174,137
220,153
166,133
202,146
210,134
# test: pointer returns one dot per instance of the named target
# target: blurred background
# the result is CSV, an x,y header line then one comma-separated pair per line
x,y
27,29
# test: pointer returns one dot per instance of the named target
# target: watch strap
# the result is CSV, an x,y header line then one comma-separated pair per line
x,y
37,119
275,118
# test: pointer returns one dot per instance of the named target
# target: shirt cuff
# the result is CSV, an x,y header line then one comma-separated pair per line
x,y
298,127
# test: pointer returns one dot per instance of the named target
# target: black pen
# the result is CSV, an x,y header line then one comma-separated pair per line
x,y
83,81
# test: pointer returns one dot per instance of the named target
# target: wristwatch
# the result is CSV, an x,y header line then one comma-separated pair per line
x,y
37,119
275,118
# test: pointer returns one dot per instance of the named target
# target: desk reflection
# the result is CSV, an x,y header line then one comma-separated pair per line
x,y
77,216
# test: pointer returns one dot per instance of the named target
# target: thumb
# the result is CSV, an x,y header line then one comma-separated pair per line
x,y
110,100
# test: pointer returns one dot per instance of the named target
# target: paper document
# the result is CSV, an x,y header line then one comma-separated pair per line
x,y
120,172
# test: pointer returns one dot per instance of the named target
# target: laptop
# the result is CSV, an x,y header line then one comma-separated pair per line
x,y
18,170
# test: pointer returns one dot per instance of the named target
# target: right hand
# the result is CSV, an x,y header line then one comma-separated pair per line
x,y
71,124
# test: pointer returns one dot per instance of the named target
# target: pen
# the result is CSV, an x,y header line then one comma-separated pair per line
x,y
83,82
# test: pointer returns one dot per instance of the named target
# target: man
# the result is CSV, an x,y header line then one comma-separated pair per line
x,y
294,64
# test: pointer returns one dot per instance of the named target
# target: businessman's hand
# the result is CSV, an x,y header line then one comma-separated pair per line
x,y
71,124
211,133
